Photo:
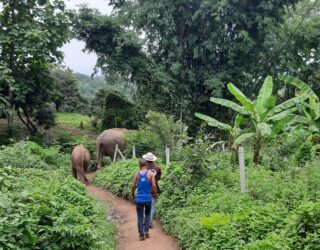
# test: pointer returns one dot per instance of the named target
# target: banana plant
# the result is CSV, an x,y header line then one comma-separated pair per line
x,y
233,131
268,119
310,109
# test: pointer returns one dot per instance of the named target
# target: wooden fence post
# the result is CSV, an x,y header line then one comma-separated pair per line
x,y
242,170
133,152
115,153
167,157
120,153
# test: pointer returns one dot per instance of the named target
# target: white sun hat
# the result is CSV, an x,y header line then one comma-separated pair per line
x,y
149,157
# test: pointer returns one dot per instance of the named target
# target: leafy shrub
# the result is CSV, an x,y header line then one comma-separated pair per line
x,y
45,116
304,153
14,134
53,213
194,158
171,133
44,209
155,133
279,210
144,141
119,112
118,177
26,154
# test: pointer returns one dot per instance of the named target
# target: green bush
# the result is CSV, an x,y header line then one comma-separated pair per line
x,y
45,211
304,153
119,112
43,207
279,210
45,116
155,133
26,154
10,136
194,159
118,177
144,141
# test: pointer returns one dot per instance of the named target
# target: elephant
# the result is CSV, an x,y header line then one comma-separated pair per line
x,y
106,143
80,159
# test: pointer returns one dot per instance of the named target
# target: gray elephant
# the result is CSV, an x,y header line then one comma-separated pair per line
x,y
106,143
80,159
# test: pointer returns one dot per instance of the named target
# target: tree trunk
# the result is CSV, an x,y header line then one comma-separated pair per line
x,y
10,118
28,123
256,151
12,67
34,129
23,121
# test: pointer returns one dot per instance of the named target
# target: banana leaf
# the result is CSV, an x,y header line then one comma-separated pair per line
x,y
213,122
229,104
263,98
242,138
247,104
305,88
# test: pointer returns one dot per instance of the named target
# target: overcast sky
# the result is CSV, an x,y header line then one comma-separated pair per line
x,y
74,57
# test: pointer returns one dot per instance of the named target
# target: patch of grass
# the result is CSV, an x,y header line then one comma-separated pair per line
x,y
74,120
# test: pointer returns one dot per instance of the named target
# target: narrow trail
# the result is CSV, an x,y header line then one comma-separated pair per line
x,y
127,228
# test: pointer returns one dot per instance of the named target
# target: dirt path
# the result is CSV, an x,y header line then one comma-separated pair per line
x,y
127,228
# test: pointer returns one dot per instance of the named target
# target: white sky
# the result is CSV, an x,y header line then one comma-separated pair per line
x,y
74,58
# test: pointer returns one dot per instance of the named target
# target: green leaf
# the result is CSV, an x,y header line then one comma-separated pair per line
x,y
247,104
306,89
229,104
242,138
264,129
288,104
314,107
29,237
281,115
281,124
263,98
213,122
238,121
299,119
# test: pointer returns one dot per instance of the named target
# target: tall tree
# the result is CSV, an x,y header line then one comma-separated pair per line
x,y
31,34
66,94
122,59
294,46
198,45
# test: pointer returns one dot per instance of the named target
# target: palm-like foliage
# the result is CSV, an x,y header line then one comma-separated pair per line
x,y
310,109
268,119
233,131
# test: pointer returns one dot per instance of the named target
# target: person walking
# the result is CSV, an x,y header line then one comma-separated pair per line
x,y
144,181
156,170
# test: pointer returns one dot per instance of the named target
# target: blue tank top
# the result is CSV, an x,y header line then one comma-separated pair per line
x,y
144,188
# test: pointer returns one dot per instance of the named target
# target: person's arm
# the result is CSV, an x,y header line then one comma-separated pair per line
x,y
134,184
159,173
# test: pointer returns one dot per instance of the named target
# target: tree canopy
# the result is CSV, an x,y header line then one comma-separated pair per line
x,y
183,52
31,34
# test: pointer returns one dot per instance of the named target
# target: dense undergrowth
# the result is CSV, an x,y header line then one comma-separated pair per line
x,y
43,207
281,209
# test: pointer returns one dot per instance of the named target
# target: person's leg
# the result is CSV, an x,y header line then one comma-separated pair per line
x,y
153,210
147,218
140,208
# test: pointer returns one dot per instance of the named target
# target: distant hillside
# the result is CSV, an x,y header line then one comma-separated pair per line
x,y
89,86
